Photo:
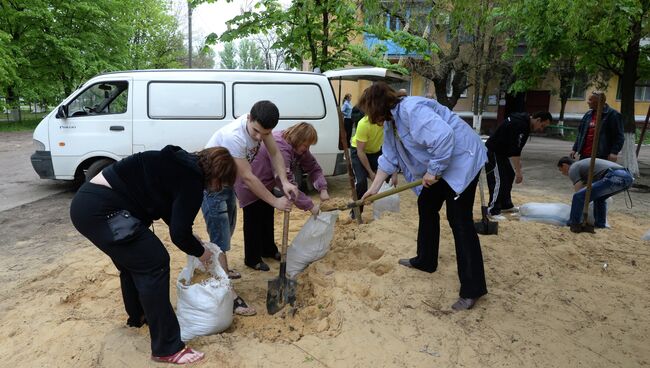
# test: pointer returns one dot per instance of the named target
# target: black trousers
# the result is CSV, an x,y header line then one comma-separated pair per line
x,y
347,124
258,232
360,173
469,258
500,177
142,260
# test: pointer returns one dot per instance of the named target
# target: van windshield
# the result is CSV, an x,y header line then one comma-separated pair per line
x,y
101,98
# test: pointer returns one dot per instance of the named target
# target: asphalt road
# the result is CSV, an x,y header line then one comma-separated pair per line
x,y
19,183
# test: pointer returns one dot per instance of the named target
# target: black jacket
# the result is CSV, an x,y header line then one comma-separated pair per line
x,y
511,136
611,133
167,185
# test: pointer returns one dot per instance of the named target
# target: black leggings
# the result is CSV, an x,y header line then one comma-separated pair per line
x,y
360,173
142,260
259,232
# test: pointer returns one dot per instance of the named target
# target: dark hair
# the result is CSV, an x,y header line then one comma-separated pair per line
x,y
217,163
265,113
565,160
543,115
377,101
301,133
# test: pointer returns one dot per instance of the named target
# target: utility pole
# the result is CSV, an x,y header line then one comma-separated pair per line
x,y
189,34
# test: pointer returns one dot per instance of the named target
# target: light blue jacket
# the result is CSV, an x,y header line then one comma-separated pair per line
x,y
346,109
431,139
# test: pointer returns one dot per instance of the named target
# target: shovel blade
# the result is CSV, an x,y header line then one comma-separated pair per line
x,y
281,291
487,227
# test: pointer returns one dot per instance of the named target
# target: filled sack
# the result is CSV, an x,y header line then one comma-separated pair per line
x,y
311,243
554,213
646,236
386,204
547,213
204,307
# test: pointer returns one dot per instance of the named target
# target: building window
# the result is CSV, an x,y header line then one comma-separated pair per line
x,y
641,90
578,87
393,23
450,87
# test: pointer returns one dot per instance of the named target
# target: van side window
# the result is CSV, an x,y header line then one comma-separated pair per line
x,y
101,98
186,100
284,96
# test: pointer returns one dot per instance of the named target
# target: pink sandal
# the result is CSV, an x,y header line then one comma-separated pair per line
x,y
183,356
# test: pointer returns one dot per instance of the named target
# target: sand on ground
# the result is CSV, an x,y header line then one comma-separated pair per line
x,y
551,301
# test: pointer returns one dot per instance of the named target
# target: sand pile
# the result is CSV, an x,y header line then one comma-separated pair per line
x,y
551,302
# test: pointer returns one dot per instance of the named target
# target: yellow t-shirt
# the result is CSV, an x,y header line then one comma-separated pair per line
x,y
371,134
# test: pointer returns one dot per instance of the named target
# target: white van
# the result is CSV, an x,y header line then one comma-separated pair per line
x,y
114,115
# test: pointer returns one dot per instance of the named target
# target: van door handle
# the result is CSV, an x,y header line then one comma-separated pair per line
x,y
117,128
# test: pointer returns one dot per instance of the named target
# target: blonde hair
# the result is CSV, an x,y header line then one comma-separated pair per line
x,y
301,133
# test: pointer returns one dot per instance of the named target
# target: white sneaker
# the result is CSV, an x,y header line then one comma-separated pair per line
x,y
511,210
497,217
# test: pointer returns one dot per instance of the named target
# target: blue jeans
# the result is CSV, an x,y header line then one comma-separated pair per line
x,y
614,181
220,214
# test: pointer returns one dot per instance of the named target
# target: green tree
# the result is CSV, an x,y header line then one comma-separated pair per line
x,y
155,39
48,47
249,55
203,58
550,46
316,31
228,56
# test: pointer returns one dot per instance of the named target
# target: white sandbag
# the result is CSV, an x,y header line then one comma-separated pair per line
x,y
554,213
204,308
547,213
386,204
311,243
646,236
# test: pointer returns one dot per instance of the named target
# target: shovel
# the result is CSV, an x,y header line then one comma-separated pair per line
x,y
282,290
585,227
485,226
374,197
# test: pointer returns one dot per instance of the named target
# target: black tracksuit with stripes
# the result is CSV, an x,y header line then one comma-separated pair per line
x,y
507,141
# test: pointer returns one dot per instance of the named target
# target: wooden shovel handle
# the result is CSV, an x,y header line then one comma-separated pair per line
x,y
285,237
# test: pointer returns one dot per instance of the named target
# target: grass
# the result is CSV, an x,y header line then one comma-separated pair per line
x,y
29,121
19,126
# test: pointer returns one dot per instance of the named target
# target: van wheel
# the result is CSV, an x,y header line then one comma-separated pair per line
x,y
96,167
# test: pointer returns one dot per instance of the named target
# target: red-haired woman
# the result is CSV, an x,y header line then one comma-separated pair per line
x,y
114,211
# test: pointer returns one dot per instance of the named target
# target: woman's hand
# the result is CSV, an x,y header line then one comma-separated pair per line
x,y
206,257
315,210
369,192
290,190
393,180
283,204
324,195
428,180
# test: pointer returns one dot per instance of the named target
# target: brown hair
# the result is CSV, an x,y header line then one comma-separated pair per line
x,y
217,163
377,101
301,133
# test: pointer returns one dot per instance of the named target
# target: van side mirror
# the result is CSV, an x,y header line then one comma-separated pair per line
x,y
62,112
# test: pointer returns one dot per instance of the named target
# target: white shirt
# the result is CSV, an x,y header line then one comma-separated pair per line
x,y
235,138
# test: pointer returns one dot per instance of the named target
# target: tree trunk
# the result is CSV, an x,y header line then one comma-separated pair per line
x,y
628,82
560,122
